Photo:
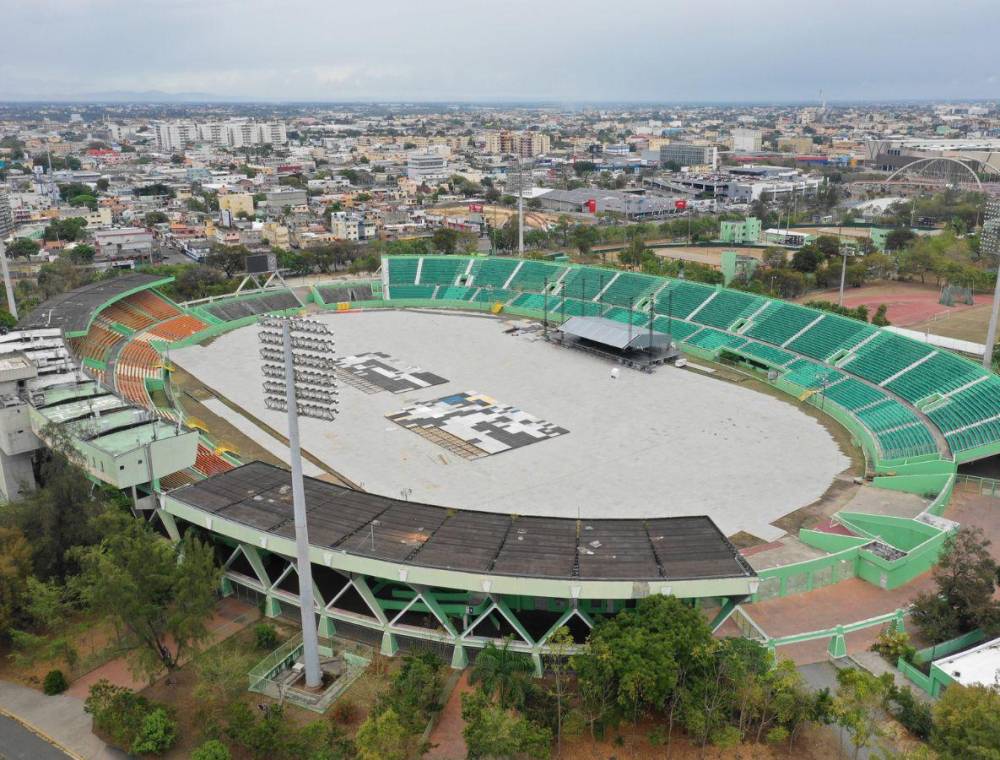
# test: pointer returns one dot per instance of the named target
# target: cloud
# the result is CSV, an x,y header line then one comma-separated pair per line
x,y
558,50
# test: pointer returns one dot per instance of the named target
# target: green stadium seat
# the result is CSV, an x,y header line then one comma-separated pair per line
x,y
630,288
411,291
886,355
807,374
454,293
492,271
439,270
679,298
779,322
532,276
678,329
619,314
831,334
402,269
726,308
767,354
942,373
586,282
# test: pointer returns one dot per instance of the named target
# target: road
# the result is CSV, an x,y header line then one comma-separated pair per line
x,y
18,743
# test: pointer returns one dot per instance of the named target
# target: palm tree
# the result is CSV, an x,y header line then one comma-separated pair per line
x,y
503,672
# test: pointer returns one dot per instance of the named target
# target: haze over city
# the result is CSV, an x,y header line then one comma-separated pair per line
x,y
556,51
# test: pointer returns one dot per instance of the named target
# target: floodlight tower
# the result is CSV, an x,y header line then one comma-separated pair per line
x,y
297,365
845,251
989,243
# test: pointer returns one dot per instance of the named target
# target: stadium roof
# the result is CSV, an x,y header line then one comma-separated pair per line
x,y
674,548
609,332
73,311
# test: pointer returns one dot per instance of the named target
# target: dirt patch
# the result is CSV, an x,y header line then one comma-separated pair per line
x,y
91,638
910,304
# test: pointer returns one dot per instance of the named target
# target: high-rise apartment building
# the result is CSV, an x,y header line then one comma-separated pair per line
x,y
524,144
235,133
6,214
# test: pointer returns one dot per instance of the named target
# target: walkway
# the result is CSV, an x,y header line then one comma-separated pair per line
x,y
231,615
446,739
60,720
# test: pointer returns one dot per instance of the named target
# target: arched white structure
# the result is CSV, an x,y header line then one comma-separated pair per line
x,y
926,162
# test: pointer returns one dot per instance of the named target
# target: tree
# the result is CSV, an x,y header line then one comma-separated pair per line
x,y
503,674
23,248
634,658
807,258
66,230
444,240
155,217
965,577
560,643
213,749
15,571
965,723
898,239
103,184
81,253
58,516
414,691
229,258
383,737
585,237
880,319
860,699
493,732
158,595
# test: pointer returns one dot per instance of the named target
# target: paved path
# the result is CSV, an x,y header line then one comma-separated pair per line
x,y
446,739
60,719
18,743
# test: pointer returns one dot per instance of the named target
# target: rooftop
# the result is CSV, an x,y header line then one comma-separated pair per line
x,y
674,548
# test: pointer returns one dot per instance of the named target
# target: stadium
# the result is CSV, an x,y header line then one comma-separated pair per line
x,y
484,479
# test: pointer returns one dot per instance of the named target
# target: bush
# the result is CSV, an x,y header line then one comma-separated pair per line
x,y
916,716
213,749
156,735
344,711
130,721
55,683
893,645
266,636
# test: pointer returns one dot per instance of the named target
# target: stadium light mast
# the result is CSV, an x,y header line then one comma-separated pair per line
x,y
990,245
845,251
297,359
520,207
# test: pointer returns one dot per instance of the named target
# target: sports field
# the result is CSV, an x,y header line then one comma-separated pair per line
x,y
916,306
676,442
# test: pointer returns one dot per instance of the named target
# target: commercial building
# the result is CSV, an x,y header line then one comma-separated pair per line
x,y
596,201
124,242
746,184
280,199
796,144
426,167
687,154
747,140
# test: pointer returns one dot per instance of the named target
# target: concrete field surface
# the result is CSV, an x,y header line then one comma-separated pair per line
x,y
666,444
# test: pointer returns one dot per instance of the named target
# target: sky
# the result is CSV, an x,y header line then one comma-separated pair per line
x,y
556,51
